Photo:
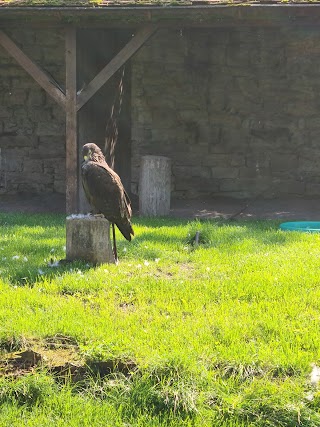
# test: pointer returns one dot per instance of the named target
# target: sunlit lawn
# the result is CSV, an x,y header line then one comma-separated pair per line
x,y
221,334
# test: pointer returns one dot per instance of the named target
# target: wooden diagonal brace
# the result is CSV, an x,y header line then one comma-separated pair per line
x,y
33,69
120,59
71,122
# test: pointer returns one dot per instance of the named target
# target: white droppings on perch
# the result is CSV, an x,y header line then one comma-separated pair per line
x,y
83,216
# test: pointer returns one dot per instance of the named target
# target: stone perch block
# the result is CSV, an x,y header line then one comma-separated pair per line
x,y
155,186
88,239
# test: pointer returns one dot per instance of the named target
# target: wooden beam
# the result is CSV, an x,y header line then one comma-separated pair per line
x,y
71,122
120,59
33,69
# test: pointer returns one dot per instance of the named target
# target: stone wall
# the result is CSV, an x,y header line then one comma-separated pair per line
x,y
32,126
237,110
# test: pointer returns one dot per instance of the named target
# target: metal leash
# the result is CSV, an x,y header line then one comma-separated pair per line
x,y
112,130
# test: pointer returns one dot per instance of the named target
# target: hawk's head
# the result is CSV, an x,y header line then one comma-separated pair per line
x,y
92,152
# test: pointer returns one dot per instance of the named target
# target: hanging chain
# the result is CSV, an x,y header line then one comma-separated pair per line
x,y
112,130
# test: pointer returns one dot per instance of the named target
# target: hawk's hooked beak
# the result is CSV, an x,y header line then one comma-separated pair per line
x,y
87,156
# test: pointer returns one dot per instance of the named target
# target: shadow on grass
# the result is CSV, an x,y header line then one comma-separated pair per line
x,y
218,233
11,220
154,235
31,246
29,277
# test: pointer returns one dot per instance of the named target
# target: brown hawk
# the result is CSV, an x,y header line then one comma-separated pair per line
x,y
104,190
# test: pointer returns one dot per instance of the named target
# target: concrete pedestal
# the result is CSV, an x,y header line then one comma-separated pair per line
x,y
88,239
155,186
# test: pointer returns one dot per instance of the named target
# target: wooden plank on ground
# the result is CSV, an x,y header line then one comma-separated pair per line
x,y
71,122
120,59
33,69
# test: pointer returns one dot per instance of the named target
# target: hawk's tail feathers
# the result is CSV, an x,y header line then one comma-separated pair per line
x,y
126,229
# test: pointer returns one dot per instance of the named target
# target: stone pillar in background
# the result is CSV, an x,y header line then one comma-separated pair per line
x,y
88,239
155,186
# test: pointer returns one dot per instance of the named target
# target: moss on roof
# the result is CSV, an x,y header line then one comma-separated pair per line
x,y
106,3
77,3
50,3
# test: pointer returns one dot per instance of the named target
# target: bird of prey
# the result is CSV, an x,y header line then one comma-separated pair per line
x,y
105,192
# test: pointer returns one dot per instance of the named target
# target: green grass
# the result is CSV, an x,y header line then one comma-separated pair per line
x,y
222,334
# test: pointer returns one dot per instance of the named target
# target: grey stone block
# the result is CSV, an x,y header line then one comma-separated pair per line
x,y
219,172
283,162
32,165
49,129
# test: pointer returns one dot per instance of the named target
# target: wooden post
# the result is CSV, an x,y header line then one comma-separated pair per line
x,y
88,239
155,186
71,123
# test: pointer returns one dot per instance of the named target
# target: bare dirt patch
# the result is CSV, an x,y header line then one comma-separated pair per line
x,y
60,356
219,207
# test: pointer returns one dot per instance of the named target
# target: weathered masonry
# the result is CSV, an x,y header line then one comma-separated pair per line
x,y
236,109
230,94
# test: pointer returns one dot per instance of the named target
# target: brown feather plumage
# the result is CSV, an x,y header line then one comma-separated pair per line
x,y
104,190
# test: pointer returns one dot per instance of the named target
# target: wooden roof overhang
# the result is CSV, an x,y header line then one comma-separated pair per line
x,y
266,13
145,21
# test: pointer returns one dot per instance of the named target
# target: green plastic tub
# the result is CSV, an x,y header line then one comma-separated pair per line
x,y
304,226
